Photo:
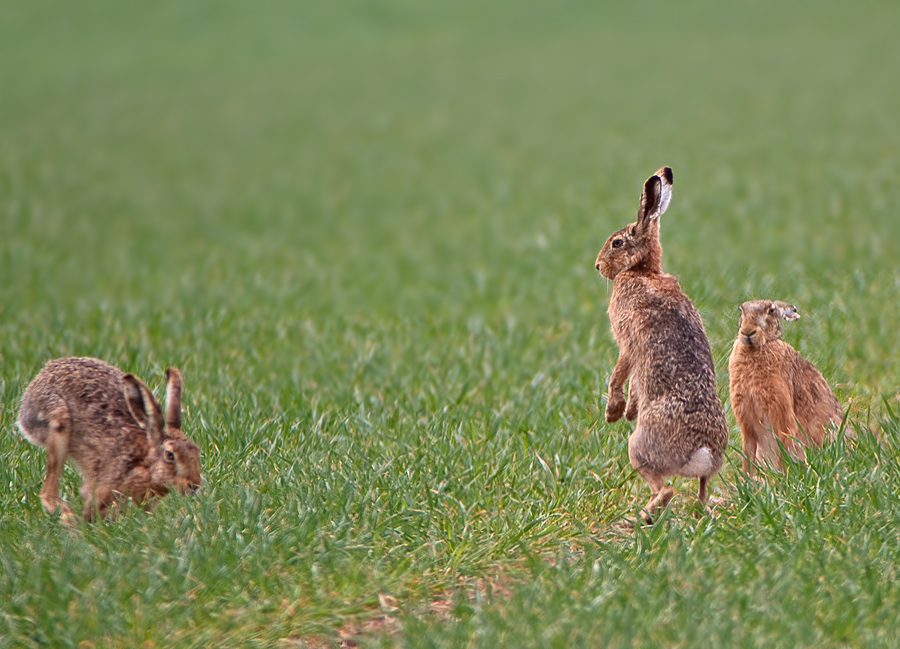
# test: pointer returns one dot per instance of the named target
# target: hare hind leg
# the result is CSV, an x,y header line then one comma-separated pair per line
x,y
661,493
58,437
652,466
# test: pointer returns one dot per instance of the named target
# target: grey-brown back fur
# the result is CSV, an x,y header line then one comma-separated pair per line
x,y
663,348
114,430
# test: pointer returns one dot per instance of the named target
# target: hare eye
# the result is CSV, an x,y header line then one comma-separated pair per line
x,y
170,456
617,243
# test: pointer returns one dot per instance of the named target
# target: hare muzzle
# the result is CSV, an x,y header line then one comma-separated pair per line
x,y
187,487
751,338
188,480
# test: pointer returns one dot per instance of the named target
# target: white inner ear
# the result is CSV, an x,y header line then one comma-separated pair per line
x,y
665,195
789,314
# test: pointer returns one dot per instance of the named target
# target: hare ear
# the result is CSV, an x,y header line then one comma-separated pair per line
x,y
144,408
174,383
134,399
155,426
656,196
788,311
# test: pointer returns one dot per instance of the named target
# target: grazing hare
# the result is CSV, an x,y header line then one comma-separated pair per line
x,y
776,394
110,424
681,427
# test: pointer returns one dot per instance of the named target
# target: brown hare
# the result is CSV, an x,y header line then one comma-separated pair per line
x,y
776,394
681,427
110,424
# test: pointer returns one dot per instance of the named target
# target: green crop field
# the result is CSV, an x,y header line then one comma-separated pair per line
x,y
366,232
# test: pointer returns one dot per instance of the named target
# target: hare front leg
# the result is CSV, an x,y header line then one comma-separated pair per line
x,y
631,410
750,438
749,453
785,427
615,406
772,424
97,499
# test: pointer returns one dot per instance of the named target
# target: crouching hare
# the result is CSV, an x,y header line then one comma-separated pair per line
x,y
776,394
681,427
110,424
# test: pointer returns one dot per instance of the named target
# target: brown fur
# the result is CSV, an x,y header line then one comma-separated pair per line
x,y
776,394
112,427
681,427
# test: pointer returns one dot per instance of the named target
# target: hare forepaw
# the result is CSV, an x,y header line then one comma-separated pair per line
x,y
631,411
614,409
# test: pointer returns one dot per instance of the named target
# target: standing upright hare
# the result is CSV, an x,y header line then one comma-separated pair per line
x,y
110,424
776,394
681,427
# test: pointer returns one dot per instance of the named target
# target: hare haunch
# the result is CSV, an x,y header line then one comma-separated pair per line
x,y
681,427
110,424
776,394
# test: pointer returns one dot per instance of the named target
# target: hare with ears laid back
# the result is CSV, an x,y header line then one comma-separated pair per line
x,y
681,427
110,424
776,394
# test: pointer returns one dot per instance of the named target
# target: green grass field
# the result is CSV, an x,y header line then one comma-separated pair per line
x,y
365,231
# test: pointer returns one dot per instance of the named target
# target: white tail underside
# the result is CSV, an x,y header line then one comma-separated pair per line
x,y
700,465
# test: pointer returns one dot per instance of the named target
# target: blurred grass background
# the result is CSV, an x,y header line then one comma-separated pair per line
x,y
366,232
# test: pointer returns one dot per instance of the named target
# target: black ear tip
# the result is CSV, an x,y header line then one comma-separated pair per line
x,y
666,173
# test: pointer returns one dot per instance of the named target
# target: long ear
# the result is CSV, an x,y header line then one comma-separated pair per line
x,y
655,197
788,311
174,383
144,408
134,399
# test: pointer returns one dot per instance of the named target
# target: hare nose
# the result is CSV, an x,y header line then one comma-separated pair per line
x,y
597,265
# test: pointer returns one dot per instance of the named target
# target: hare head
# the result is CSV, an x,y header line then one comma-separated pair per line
x,y
637,246
176,462
761,321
